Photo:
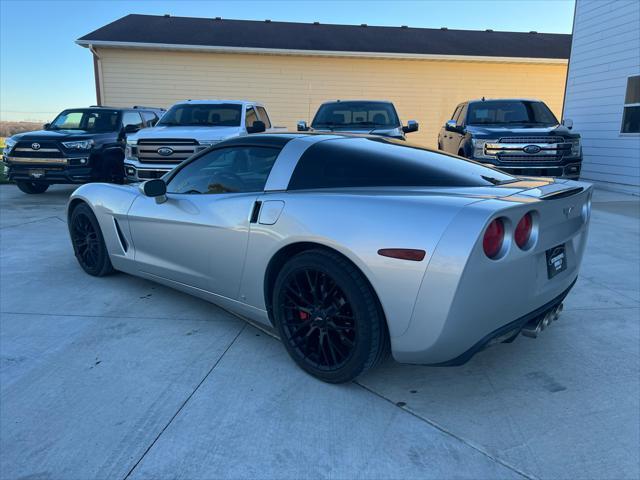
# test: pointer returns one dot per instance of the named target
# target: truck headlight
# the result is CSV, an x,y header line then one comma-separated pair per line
x,y
9,143
576,147
478,148
79,145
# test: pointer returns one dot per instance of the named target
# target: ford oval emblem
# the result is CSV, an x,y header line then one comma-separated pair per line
x,y
531,149
165,151
35,146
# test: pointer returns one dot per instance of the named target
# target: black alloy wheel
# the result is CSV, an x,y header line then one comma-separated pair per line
x,y
88,243
32,187
328,316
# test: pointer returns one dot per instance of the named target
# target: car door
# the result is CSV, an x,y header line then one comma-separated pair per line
x,y
456,137
447,135
198,236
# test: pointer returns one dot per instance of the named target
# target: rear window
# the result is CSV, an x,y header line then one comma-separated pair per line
x,y
380,162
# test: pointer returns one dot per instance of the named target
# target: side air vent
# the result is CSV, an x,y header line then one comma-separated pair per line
x,y
123,241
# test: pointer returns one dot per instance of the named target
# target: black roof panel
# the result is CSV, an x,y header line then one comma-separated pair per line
x,y
210,32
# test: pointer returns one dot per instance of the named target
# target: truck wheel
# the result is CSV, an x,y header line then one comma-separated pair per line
x,y
328,316
88,242
32,187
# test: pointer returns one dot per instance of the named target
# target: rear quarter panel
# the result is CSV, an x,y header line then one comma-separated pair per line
x,y
356,226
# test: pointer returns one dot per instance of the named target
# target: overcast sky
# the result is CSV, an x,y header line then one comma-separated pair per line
x,y
43,71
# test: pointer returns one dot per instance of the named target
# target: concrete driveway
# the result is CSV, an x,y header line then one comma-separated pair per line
x,y
117,377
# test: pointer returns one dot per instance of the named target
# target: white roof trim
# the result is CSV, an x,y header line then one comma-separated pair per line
x,y
319,53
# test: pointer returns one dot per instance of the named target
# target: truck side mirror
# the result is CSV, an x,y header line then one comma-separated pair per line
x,y
46,126
412,126
257,127
567,122
155,188
451,126
302,126
131,128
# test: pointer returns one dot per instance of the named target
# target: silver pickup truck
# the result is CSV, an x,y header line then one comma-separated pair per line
x,y
189,127
374,117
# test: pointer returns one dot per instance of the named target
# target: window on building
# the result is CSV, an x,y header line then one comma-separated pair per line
x,y
631,113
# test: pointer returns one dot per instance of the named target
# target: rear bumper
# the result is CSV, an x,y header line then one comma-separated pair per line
x,y
508,331
138,172
466,300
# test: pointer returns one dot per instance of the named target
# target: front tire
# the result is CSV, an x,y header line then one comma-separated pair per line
x,y
32,187
328,316
88,242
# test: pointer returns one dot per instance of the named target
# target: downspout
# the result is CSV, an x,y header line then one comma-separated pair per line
x,y
97,73
566,80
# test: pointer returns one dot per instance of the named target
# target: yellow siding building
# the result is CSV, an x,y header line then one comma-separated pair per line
x,y
161,69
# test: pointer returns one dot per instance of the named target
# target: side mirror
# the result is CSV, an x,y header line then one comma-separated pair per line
x,y
131,128
302,126
46,126
567,122
451,126
412,126
257,127
155,188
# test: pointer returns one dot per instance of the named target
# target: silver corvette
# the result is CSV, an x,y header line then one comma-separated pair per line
x,y
347,247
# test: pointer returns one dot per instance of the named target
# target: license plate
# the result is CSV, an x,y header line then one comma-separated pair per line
x,y
37,173
556,260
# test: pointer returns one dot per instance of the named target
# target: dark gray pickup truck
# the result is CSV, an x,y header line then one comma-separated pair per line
x,y
521,137
374,117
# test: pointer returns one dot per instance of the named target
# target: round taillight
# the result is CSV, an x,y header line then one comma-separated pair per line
x,y
493,238
522,233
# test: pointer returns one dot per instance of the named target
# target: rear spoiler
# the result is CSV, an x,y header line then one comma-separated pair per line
x,y
562,193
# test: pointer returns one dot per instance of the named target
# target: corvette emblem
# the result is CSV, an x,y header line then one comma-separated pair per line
x,y
567,210
165,151
35,146
531,149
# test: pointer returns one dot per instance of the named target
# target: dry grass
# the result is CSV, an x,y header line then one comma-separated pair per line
x,y
11,128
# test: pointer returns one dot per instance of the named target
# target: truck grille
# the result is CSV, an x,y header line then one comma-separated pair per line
x,y
161,150
529,149
45,150
531,140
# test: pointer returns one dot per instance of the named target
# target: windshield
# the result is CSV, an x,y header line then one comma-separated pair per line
x,y
502,112
206,115
90,120
356,115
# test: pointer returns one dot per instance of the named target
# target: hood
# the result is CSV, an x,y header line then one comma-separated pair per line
x,y
496,131
385,132
55,135
187,132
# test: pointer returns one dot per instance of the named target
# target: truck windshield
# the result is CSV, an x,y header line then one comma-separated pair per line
x,y
90,120
341,115
500,112
203,115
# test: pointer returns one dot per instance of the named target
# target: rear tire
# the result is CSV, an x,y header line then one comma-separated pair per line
x,y
32,187
328,316
88,242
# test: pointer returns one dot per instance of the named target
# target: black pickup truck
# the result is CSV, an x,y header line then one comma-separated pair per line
x,y
521,137
80,145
